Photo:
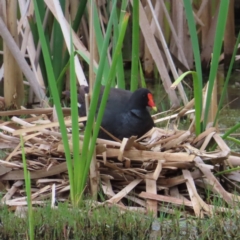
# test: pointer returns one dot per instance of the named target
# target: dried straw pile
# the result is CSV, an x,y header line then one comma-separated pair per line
x,y
169,169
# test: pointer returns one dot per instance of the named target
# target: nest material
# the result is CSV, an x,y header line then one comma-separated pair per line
x,y
165,170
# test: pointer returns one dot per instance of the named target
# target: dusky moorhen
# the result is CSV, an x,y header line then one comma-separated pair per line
x,y
126,113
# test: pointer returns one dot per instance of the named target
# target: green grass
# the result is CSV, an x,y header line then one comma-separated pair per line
x,y
109,223
102,223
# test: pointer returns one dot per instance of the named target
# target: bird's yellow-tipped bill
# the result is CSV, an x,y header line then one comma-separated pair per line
x,y
154,108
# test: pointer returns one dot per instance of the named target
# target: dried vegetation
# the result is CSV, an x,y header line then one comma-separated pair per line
x,y
165,170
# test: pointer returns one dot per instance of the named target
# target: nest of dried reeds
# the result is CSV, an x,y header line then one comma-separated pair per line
x,y
164,170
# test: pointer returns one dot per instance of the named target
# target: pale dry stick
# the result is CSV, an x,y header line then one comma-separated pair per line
x,y
212,180
1,72
93,170
31,111
28,45
23,23
207,48
8,39
203,154
221,143
234,197
235,176
175,181
92,39
168,199
151,187
191,127
173,116
197,19
34,195
41,127
7,145
53,200
40,121
29,125
234,160
23,7
7,129
174,192
11,191
85,28
122,149
107,186
168,55
157,12
204,135
161,113
32,115
19,174
174,34
198,203
39,47
187,107
10,165
24,39
104,33
9,138
34,53
168,136
69,12
94,173
136,155
26,83
66,33
179,25
124,191
64,189
22,122
137,200
156,54
78,44
24,203
47,193
202,8
104,156
177,141
204,99
26,138
223,209
207,140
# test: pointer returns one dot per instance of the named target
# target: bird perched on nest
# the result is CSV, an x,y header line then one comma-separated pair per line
x,y
126,113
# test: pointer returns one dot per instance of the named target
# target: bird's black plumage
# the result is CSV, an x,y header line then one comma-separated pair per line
x,y
126,113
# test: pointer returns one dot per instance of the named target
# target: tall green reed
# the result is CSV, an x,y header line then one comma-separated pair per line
x,y
224,91
78,167
197,83
218,40
55,95
27,179
135,46
222,16
89,142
